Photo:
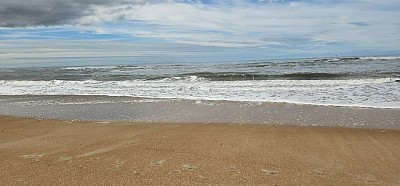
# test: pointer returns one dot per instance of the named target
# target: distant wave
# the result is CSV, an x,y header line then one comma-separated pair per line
x,y
233,76
381,58
300,69
313,76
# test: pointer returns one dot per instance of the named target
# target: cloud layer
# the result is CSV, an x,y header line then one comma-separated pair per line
x,y
266,26
243,24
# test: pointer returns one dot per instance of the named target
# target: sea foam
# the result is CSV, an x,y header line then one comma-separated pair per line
x,y
379,93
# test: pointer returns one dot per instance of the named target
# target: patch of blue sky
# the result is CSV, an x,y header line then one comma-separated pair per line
x,y
48,33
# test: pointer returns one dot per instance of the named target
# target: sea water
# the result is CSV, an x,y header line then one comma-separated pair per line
x,y
357,82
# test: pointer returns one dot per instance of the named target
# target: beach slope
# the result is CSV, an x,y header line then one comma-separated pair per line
x,y
53,152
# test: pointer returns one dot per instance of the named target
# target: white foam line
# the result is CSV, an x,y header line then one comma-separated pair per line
x,y
366,93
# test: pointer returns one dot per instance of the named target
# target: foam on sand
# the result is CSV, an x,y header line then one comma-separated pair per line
x,y
376,93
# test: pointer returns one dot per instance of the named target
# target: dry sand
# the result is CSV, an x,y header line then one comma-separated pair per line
x,y
52,152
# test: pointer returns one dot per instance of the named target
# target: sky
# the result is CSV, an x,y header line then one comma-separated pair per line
x,y
72,32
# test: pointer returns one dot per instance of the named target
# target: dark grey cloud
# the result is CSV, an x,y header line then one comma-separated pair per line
x,y
33,13
22,13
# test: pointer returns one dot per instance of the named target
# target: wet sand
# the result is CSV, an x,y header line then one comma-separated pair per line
x,y
148,110
55,152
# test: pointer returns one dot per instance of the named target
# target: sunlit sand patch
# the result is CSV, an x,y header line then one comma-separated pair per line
x,y
269,172
316,172
231,169
158,163
135,173
177,171
203,177
31,156
189,167
99,151
367,178
119,163
64,158
36,157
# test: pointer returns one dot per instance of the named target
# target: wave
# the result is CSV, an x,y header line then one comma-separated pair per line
x,y
383,58
301,69
234,76
209,76
318,61
382,92
313,76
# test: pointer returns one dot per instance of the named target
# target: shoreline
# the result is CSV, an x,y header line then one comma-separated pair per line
x,y
211,100
193,123
40,151
150,110
10,117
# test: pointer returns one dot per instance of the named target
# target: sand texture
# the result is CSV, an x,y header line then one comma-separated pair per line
x,y
52,152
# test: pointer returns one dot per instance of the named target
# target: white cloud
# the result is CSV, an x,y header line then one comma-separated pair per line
x,y
246,24
275,26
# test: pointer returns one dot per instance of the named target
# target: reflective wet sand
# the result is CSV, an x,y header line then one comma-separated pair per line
x,y
105,108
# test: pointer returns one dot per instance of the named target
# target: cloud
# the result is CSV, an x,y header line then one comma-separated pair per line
x,y
38,13
22,13
248,24
279,24
19,53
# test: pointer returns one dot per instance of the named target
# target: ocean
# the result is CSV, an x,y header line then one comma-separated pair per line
x,y
351,82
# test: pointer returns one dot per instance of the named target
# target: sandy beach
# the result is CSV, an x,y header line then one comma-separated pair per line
x,y
56,152
199,92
